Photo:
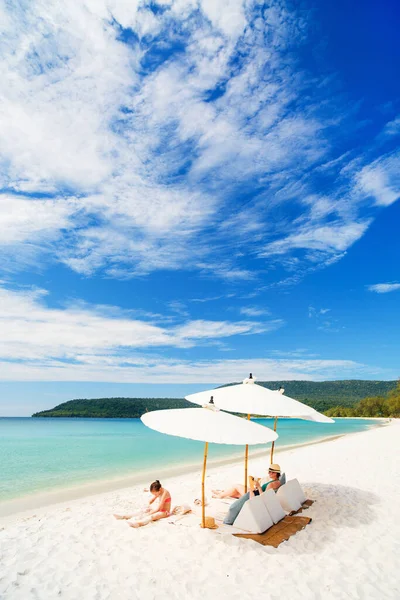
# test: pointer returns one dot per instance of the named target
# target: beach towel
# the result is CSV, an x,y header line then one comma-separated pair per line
x,y
304,506
278,533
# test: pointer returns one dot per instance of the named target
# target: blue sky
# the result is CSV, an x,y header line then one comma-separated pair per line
x,y
195,189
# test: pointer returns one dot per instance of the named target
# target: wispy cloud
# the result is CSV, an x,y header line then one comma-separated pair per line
x,y
161,370
384,288
211,298
381,179
314,312
302,353
392,128
82,342
32,331
178,307
208,329
253,311
136,139
324,321
332,238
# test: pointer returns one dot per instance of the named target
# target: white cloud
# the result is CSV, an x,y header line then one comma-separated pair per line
x,y
55,107
313,312
63,123
225,271
101,343
209,329
105,108
178,307
65,91
211,298
302,353
384,288
392,128
381,179
227,16
37,220
31,330
324,321
334,237
252,311
159,370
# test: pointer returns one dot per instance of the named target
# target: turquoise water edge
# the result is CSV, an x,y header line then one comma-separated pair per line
x,y
46,455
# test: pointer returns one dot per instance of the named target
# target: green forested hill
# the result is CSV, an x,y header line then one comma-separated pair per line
x,y
117,408
321,395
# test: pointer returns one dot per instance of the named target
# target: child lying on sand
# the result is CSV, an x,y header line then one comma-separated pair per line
x,y
160,511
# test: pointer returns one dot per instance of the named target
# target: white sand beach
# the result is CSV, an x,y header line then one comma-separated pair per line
x,y
350,549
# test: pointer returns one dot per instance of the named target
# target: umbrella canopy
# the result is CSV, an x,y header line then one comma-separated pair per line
x,y
208,424
254,399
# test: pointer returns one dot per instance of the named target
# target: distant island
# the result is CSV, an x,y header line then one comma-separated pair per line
x,y
336,398
112,408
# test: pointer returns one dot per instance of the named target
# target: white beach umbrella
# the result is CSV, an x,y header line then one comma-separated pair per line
x,y
253,399
208,424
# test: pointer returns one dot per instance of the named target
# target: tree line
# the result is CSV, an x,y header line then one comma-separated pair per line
x,y
112,408
336,398
375,406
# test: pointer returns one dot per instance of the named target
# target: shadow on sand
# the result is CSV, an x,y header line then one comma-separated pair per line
x,y
338,510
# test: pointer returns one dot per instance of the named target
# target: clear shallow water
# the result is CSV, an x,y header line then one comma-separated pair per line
x,y
39,455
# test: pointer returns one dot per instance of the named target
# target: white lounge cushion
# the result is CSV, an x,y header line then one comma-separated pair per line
x,y
296,487
289,497
254,516
273,506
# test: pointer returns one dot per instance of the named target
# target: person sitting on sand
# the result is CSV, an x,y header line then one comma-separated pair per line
x,y
160,511
256,488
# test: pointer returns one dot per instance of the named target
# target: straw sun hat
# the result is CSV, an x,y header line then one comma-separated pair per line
x,y
209,523
275,468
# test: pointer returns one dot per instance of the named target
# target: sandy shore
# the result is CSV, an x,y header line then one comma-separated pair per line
x,y
350,550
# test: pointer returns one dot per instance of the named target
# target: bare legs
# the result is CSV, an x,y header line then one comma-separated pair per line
x,y
138,514
234,492
154,517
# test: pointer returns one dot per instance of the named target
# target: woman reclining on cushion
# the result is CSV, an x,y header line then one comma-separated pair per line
x,y
256,488
274,472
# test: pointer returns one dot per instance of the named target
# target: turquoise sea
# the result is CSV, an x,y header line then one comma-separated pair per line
x,y
41,455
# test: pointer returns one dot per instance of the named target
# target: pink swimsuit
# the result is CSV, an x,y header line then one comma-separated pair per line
x,y
165,507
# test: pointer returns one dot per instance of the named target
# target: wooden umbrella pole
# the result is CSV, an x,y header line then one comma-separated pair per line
x,y
246,460
203,497
271,460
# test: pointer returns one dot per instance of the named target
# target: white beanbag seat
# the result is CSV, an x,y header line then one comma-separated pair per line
x,y
273,506
297,490
291,496
254,516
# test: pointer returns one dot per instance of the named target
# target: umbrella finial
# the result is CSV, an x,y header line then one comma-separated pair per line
x,y
249,379
211,405
281,390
